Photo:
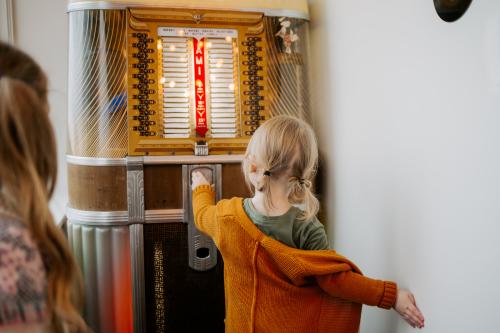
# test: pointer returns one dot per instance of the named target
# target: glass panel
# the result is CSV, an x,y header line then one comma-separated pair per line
x,y
97,94
287,54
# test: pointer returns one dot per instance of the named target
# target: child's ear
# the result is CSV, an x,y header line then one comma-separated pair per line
x,y
253,168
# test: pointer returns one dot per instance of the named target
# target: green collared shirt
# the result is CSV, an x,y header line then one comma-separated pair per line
x,y
289,229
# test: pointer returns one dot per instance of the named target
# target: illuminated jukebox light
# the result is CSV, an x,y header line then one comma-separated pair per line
x,y
222,98
200,87
176,72
200,70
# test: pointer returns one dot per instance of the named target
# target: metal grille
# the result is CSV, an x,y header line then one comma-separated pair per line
x,y
179,299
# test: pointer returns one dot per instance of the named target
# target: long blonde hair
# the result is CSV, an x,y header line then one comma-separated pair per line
x,y
284,146
28,170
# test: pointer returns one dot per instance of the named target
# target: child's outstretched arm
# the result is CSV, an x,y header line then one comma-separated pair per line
x,y
384,294
204,209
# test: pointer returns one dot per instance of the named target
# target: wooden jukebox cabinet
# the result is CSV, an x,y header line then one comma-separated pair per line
x,y
158,89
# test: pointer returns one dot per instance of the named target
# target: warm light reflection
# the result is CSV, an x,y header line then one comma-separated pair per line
x,y
158,45
219,63
171,84
231,86
159,283
209,45
229,39
186,93
172,48
181,32
162,80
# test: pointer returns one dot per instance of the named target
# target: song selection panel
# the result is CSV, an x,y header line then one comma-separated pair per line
x,y
199,78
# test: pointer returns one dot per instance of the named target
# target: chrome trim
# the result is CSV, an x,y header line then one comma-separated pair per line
x,y
151,160
119,218
196,239
138,278
95,161
115,218
135,189
186,192
164,216
86,5
186,185
201,149
73,7
218,182
191,159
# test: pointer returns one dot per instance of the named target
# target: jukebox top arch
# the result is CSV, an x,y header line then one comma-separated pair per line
x,y
289,8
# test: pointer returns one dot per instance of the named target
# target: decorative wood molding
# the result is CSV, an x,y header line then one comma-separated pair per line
x,y
197,16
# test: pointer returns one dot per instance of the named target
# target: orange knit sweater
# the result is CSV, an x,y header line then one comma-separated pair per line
x,y
272,288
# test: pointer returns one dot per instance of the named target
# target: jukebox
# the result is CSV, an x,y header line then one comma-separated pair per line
x,y
158,89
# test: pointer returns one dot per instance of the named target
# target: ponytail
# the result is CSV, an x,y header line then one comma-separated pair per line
x,y
300,192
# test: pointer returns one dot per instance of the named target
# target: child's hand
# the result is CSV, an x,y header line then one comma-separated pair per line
x,y
408,309
198,179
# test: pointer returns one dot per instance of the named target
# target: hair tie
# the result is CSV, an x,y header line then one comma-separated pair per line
x,y
304,182
267,173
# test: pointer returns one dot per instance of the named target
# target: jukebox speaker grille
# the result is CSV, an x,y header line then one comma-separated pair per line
x,y
179,299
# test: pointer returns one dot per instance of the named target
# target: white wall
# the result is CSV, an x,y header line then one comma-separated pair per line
x,y
408,112
6,24
41,30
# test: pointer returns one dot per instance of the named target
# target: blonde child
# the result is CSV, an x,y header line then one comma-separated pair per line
x,y
272,282
38,275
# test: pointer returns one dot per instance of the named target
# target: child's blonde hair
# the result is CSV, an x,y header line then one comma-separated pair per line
x,y
284,146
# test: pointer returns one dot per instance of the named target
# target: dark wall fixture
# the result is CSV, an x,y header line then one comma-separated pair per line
x,y
451,10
